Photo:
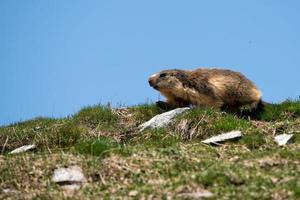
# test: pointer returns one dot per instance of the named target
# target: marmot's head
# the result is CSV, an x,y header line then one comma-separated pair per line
x,y
167,80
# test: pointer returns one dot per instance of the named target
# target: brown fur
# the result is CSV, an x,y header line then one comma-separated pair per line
x,y
218,88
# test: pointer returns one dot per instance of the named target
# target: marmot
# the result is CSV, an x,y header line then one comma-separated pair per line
x,y
218,88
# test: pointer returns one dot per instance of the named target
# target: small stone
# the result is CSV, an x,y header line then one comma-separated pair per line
x,y
163,119
282,139
7,190
234,159
133,193
70,178
223,137
196,195
23,149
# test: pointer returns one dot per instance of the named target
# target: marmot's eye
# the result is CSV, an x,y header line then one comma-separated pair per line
x,y
162,75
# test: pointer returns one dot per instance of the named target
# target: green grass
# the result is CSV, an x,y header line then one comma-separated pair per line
x,y
46,134
255,140
202,123
96,117
97,147
289,109
160,163
145,112
157,138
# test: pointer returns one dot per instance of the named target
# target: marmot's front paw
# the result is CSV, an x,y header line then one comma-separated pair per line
x,y
163,105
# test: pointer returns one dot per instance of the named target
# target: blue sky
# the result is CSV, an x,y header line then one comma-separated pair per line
x,y
59,56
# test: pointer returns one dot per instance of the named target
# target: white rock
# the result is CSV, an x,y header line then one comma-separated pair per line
x,y
282,139
196,195
23,149
223,137
133,193
7,190
162,119
70,178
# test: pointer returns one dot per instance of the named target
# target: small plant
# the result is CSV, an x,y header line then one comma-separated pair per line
x,y
67,135
254,141
145,112
155,138
229,123
96,147
211,177
96,117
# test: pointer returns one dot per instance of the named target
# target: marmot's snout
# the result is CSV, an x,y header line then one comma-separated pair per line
x,y
152,81
152,84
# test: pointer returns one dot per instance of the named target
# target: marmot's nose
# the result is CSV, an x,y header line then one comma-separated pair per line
x,y
150,82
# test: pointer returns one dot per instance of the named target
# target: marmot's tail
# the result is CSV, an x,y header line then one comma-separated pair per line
x,y
260,107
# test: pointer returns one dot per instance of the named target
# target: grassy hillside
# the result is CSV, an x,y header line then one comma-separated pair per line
x,y
121,163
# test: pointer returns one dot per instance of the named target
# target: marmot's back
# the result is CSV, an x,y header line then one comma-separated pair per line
x,y
231,87
206,87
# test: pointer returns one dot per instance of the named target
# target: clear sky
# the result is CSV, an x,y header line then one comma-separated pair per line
x,y
59,56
